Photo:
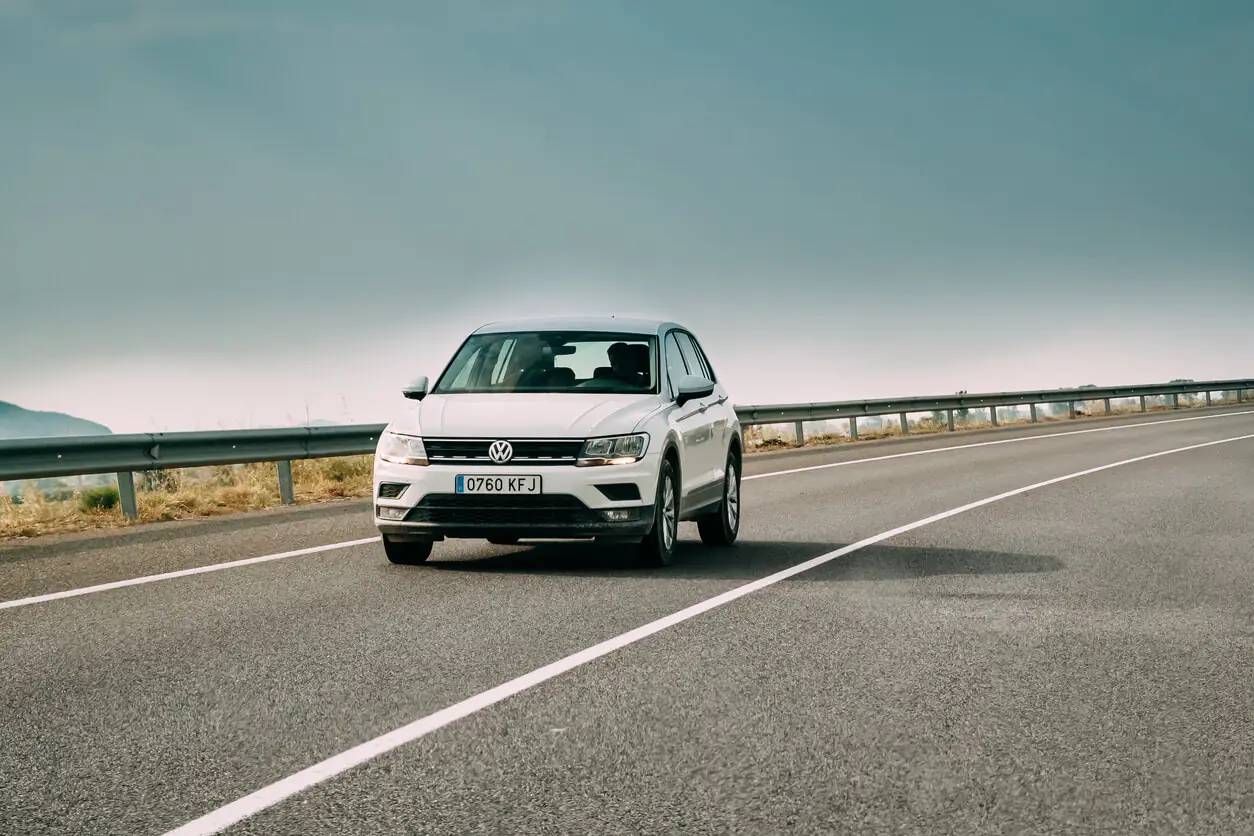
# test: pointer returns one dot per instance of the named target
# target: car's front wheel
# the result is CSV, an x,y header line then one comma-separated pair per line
x,y
407,552
721,527
658,547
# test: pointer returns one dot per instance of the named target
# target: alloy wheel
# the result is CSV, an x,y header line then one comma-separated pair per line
x,y
669,516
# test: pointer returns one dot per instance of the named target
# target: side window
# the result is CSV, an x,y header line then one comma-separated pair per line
x,y
690,355
675,368
705,360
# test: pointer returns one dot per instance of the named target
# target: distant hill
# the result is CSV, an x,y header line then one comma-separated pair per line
x,y
16,422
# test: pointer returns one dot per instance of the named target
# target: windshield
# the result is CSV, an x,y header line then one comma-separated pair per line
x,y
551,361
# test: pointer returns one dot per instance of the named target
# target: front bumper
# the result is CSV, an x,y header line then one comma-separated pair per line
x,y
504,523
612,502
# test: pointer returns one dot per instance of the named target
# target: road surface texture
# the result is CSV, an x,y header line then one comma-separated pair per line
x,y
1076,658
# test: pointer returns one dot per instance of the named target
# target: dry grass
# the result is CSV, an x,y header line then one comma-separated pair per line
x,y
195,492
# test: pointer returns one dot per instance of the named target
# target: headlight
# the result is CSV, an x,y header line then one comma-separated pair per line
x,y
622,449
402,449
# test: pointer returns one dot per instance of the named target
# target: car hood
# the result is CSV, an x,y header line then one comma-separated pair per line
x,y
548,415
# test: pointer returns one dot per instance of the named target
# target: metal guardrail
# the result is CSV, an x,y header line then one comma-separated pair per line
x,y
799,414
38,458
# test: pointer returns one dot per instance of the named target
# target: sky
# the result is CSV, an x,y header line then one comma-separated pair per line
x,y
245,213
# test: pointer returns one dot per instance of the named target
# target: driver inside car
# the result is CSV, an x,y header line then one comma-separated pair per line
x,y
625,363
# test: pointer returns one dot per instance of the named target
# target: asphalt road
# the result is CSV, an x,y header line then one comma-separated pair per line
x,y
1077,658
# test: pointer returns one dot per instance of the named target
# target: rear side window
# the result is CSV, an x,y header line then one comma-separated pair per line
x,y
675,368
691,357
705,360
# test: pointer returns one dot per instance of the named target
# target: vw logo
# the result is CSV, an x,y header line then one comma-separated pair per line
x,y
501,452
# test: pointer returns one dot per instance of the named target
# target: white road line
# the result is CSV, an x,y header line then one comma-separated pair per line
x,y
223,817
87,590
181,573
1137,425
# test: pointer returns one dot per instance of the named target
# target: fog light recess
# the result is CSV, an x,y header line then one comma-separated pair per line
x,y
621,515
386,513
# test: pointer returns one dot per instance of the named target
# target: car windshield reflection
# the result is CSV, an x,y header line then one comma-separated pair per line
x,y
552,361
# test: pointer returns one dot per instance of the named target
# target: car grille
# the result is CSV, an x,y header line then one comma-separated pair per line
x,y
522,510
474,451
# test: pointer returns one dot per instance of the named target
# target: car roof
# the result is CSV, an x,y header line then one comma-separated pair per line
x,y
614,324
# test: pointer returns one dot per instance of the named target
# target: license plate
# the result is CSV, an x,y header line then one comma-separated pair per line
x,y
498,484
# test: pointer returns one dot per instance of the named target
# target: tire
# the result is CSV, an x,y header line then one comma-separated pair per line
x,y
722,526
658,546
407,553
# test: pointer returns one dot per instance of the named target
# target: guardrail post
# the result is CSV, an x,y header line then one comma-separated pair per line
x,y
1070,409
1107,402
951,420
853,427
1032,409
126,495
1208,399
992,415
800,429
1238,396
1142,403
286,495
905,425
1175,400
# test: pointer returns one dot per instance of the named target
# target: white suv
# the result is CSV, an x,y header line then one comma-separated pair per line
x,y
613,429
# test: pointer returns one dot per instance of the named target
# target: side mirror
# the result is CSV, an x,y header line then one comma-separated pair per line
x,y
691,387
416,390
